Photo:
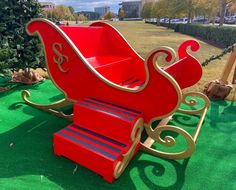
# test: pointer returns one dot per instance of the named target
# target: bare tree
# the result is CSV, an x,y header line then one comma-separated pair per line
x,y
223,6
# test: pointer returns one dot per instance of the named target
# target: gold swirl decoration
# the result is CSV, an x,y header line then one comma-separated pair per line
x,y
51,108
195,97
192,101
135,138
164,55
169,141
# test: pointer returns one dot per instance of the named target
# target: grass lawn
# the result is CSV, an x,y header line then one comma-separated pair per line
x,y
145,37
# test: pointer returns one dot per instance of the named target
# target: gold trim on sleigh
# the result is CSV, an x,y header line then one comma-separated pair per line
x,y
154,135
50,108
135,138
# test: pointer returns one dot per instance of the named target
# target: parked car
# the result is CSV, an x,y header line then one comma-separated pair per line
x,y
182,20
60,23
217,19
52,19
200,20
164,20
230,20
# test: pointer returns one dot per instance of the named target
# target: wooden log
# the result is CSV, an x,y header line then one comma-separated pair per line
x,y
228,66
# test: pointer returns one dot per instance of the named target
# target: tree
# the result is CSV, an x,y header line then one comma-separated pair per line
x,y
160,9
60,12
82,18
186,8
108,15
232,6
147,10
90,15
167,8
71,10
190,9
223,5
18,50
207,8
121,14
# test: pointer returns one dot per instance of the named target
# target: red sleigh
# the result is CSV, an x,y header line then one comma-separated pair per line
x,y
115,94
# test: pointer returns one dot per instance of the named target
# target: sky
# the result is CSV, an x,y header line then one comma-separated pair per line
x,y
87,5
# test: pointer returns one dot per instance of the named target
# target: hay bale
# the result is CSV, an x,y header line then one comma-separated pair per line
x,y
217,90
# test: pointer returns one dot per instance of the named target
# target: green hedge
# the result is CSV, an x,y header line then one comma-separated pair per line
x,y
223,36
169,25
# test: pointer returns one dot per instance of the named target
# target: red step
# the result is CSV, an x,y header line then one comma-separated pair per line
x,y
99,137
109,119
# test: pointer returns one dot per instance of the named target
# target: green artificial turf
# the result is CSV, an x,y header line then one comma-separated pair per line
x,y
27,160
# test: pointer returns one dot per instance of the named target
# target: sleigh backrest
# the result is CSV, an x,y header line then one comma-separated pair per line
x,y
107,51
87,39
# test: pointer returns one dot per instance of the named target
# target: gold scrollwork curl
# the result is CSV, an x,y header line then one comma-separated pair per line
x,y
168,141
135,138
164,54
193,101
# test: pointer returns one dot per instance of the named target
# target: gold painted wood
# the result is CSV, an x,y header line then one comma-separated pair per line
x,y
201,111
60,58
149,141
169,141
234,76
228,66
50,108
135,138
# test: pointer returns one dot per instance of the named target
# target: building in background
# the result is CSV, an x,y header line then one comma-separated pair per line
x,y
47,5
102,10
89,14
132,9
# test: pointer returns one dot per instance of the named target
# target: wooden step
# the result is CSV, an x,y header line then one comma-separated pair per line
x,y
91,150
101,137
109,119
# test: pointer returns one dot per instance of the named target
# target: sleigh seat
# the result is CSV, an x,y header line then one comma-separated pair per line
x,y
115,94
100,52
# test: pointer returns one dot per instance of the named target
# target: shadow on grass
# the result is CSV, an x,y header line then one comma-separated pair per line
x,y
186,120
221,114
28,150
156,177
57,97
20,87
